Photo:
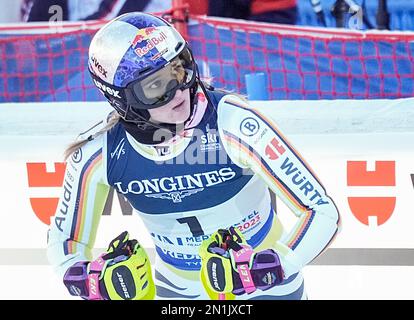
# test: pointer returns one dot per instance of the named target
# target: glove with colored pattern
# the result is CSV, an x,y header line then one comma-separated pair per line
x,y
123,272
229,265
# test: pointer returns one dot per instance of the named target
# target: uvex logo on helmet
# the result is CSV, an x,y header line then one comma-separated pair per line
x,y
97,66
108,90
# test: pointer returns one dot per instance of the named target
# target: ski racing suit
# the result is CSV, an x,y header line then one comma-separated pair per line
x,y
215,176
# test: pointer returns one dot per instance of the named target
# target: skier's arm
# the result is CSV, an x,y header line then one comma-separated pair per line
x,y
73,228
252,140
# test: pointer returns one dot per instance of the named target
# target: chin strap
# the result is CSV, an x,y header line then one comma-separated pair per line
x,y
148,134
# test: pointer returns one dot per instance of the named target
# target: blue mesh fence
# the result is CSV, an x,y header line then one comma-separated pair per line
x,y
299,63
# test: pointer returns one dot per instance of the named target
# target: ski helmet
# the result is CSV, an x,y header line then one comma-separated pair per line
x,y
139,61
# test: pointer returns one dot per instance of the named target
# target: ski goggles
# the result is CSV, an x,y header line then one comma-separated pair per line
x,y
160,87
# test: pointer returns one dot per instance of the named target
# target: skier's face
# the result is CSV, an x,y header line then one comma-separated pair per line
x,y
176,111
159,88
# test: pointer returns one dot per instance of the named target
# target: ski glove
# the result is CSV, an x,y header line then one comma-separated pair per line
x,y
123,272
229,265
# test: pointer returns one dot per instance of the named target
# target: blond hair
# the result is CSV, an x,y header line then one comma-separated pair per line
x,y
113,119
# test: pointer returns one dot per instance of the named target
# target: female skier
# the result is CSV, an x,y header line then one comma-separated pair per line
x,y
196,165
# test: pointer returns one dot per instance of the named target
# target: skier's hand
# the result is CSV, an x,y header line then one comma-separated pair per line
x,y
123,272
229,265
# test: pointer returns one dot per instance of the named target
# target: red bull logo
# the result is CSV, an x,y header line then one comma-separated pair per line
x,y
139,38
152,39
149,30
143,34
